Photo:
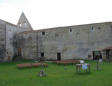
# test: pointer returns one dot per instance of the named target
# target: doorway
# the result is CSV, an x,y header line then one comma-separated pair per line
x,y
19,51
97,55
42,54
59,56
108,54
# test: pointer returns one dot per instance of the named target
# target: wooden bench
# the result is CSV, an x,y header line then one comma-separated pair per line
x,y
29,65
67,62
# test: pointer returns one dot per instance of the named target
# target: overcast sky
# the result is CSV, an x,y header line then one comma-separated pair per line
x,y
54,13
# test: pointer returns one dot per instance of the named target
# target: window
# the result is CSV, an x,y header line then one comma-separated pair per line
x,y
89,56
110,26
1,39
30,38
99,28
56,35
70,30
77,34
43,33
92,28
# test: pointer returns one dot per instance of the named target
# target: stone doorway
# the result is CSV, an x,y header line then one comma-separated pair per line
x,y
19,51
108,53
59,56
97,55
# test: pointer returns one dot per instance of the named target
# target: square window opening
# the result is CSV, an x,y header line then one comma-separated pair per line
x,y
43,33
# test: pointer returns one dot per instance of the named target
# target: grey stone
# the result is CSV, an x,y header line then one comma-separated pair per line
x,y
60,43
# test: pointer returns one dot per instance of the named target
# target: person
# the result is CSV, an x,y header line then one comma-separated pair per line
x,y
100,56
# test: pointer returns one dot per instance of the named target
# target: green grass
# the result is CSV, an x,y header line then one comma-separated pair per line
x,y
56,75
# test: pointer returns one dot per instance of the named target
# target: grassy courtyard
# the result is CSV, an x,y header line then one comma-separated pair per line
x,y
10,75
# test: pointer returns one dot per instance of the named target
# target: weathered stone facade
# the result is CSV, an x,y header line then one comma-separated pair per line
x,y
70,42
2,40
8,32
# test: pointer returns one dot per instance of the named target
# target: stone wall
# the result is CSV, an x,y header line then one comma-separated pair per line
x,y
2,40
72,42
28,45
11,31
8,40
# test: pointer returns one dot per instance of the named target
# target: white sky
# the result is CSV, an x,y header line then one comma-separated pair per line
x,y
53,13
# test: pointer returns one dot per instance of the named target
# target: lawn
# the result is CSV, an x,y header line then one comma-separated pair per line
x,y
10,75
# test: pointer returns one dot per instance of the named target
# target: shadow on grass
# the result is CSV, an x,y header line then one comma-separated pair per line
x,y
83,73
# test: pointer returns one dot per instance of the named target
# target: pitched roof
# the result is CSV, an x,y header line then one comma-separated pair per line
x,y
23,22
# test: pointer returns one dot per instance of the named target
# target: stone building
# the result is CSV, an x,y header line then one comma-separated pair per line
x,y
71,42
90,41
8,32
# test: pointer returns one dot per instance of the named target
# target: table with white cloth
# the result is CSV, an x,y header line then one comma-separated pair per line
x,y
85,67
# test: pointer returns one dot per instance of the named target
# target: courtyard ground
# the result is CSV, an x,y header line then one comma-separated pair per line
x,y
10,75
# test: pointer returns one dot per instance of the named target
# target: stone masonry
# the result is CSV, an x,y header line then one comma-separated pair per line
x,y
59,43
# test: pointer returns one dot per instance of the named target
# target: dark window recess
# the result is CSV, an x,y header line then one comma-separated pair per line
x,y
70,30
56,35
1,39
110,26
42,54
92,28
43,33
99,28
77,34
30,38
89,56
